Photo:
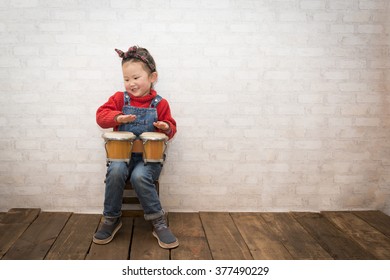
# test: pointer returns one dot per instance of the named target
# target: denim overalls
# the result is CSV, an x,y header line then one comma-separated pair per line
x,y
145,116
142,176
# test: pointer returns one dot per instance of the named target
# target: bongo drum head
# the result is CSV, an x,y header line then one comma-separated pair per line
x,y
118,135
153,136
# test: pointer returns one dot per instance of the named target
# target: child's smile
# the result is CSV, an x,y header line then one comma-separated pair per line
x,y
138,81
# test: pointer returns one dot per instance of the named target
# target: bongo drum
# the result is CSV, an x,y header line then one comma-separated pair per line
x,y
118,145
155,144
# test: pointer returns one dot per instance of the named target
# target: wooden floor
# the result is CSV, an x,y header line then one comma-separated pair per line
x,y
34,234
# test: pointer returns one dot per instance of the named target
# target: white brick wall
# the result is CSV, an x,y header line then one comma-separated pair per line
x,y
281,105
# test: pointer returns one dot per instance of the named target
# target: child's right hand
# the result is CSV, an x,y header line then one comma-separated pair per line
x,y
125,118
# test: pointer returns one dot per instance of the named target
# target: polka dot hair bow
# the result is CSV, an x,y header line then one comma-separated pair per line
x,y
138,53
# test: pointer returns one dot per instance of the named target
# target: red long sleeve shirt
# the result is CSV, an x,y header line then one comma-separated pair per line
x,y
105,114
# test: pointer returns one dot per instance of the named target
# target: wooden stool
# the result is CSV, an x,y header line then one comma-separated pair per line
x,y
131,206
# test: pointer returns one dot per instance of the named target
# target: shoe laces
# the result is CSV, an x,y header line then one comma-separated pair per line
x,y
110,221
159,223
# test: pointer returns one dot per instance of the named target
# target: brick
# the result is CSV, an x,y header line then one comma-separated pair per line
x,y
308,144
367,121
184,4
348,87
27,145
243,27
61,167
348,156
325,16
154,27
368,98
337,75
310,52
312,4
24,3
219,4
53,121
372,4
26,50
310,98
371,28
189,156
356,110
124,4
361,16
277,75
354,40
345,5
9,62
340,121
73,62
215,145
349,179
90,168
71,133
290,110
353,64
182,27
52,27
103,15
70,39
342,28
293,16
39,155
69,15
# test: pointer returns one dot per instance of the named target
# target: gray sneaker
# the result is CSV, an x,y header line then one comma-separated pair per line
x,y
164,235
107,230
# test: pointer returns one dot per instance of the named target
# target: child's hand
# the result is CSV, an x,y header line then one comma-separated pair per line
x,y
161,125
126,118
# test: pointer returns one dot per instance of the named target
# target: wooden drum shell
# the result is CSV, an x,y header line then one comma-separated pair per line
x,y
154,144
118,145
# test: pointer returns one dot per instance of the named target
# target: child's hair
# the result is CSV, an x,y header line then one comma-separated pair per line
x,y
136,53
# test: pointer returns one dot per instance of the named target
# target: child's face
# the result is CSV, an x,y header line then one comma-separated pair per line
x,y
137,80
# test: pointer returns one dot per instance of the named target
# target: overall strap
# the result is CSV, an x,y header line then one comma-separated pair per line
x,y
126,98
155,101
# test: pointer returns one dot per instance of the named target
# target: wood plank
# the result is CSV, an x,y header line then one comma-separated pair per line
x,y
187,227
144,245
75,239
295,238
262,242
12,226
376,219
361,232
335,242
36,241
20,215
118,248
225,241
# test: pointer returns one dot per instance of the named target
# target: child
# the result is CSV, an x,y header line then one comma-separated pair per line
x,y
139,109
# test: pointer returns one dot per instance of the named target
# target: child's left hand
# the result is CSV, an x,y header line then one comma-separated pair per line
x,y
161,125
